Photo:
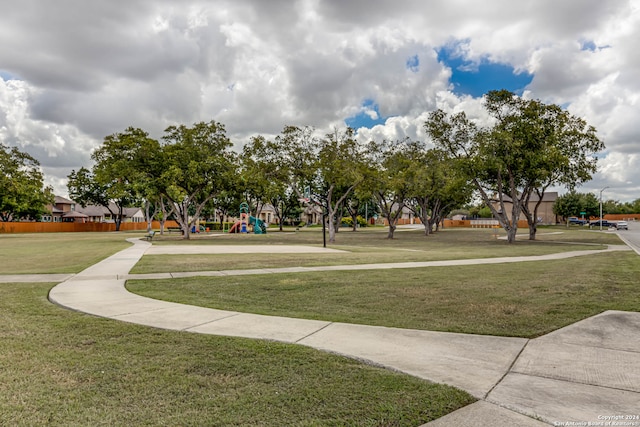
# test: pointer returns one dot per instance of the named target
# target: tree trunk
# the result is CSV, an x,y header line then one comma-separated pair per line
x,y
181,212
392,229
147,214
511,233
184,223
163,215
332,229
427,226
422,212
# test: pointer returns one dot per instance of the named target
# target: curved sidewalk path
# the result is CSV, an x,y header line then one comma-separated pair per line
x,y
588,370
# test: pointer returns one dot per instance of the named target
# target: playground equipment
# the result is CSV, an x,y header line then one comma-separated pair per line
x,y
259,227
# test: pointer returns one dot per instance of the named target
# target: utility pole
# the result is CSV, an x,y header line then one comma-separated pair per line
x,y
601,206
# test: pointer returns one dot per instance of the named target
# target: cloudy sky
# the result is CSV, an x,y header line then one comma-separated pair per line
x,y
75,71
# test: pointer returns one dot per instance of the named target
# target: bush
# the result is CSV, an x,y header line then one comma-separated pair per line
x,y
347,221
485,212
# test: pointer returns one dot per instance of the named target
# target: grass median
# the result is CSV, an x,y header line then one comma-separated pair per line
x,y
525,299
61,367
371,246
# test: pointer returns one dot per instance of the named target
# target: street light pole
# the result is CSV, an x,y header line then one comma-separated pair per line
x,y
601,206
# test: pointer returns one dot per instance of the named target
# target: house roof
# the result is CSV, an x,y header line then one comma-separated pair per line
x,y
74,214
92,210
95,210
59,200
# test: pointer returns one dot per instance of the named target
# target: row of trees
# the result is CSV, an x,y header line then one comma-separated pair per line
x,y
23,194
574,204
528,147
193,171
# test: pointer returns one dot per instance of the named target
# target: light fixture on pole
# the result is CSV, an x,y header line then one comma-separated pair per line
x,y
601,206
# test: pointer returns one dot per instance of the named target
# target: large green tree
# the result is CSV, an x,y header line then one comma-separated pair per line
x,y
339,172
391,177
438,187
23,194
530,147
291,160
197,165
264,179
273,176
555,147
119,177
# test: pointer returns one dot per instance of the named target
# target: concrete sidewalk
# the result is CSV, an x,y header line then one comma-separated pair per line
x,y
588,370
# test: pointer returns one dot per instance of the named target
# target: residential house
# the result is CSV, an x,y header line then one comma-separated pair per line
x,y
65,210
312,214
268,214
97,213
545,210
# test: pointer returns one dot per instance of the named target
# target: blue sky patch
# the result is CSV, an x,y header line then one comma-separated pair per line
x,y
476,79
6,76
588,45
413,63
591,46
368,117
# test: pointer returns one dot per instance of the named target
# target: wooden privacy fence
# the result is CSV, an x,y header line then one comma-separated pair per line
x,y
76,227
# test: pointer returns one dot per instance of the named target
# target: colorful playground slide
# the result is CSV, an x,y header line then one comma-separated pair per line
x,y
260,228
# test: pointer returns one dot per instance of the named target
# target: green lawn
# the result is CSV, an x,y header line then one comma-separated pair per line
x,y
40,253
519,299
65,368
371,246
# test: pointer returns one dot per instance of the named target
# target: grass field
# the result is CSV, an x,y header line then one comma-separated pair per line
x,y
65,368
519,299
57,252
371,246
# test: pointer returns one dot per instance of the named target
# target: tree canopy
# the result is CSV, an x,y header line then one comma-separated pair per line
x,y
117,178
527,147
23,194
196,164
530,147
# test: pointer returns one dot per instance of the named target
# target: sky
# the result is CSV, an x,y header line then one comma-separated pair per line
x,y
75,71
